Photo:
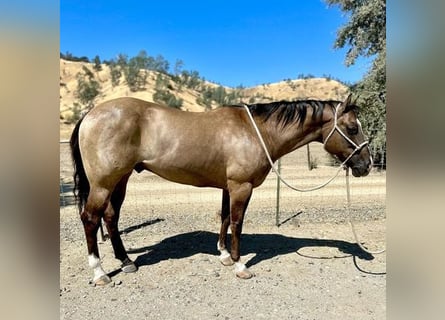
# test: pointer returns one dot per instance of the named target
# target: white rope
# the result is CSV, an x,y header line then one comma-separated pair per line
x,y
357,148
263,144
348,195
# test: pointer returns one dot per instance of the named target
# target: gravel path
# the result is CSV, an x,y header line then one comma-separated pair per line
x,y
308,268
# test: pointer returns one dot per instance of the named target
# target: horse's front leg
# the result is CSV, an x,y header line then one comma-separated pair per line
x,y
239,199
225,222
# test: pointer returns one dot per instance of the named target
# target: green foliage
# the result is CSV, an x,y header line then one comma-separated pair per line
x,y
233,97
365,35
135,76
87,72
115,73
161,81
70,57
87,88
220,96
372,98
190,79
159,64
76,112
97,65
305,76
205,99
135,69
179,64
166,97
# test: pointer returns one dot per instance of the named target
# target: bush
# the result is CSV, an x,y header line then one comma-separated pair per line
x,y
115,73
165,97
87,89
97,66
76,113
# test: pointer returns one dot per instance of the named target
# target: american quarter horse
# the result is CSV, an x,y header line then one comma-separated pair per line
x,y
218,148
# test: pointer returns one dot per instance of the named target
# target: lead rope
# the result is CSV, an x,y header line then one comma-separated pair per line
x,y
357,148
263,144
348,196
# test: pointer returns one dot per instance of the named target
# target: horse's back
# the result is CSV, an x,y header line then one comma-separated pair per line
x,y
197,148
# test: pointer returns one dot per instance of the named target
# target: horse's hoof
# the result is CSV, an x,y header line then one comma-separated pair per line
x,y
244,274
129,267
226,260
102,280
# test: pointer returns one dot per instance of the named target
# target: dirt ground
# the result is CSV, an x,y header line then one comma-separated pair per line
x,y
307,268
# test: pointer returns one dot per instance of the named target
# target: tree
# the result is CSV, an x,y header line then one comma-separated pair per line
x,y
166,97
179,64
134,70
133,76
115,72
87,88
160,64
122,60
70,57
365,35
219,95
97,66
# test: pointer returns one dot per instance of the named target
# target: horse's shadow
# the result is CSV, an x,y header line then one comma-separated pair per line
x,y
264,246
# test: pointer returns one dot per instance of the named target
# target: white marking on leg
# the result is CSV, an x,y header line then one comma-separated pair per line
x,y
224,257
94,262
218,246
239,267
224,252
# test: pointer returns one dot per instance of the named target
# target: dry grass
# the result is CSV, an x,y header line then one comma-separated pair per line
x,y
315,88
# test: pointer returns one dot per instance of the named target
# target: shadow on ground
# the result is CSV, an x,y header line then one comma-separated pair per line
x,y
265,247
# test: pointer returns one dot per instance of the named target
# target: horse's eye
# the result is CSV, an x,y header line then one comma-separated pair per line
x,y
353,130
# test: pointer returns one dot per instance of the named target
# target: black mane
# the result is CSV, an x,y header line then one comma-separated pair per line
x,y
287,112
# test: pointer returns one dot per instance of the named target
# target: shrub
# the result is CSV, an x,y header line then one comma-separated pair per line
x,y
87,89
166,97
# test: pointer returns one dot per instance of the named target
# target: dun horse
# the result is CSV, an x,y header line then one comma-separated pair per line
x,y
219,148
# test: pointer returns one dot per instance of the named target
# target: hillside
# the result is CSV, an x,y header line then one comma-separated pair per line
x,y
313,88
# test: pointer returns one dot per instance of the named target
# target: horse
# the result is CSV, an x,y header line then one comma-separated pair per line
x,y
218,148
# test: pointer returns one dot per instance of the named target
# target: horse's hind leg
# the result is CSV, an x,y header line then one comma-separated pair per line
x,y
97,202
111,218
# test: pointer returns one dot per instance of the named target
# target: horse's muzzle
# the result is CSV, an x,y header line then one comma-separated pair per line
x,y
361,168
359,172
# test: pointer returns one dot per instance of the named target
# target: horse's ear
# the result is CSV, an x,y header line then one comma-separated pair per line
x,y
345,106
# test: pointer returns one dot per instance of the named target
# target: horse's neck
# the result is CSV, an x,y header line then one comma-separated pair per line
x,y
293,136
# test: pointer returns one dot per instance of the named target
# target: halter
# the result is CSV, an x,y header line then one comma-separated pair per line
x,y
357,148
275,170
335,127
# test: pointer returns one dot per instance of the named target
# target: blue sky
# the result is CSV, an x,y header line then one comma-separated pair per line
x,y
228,42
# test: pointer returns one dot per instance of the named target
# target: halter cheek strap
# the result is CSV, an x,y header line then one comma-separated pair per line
x,y
336,127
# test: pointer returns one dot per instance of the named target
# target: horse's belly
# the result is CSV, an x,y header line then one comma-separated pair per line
x,y
201,178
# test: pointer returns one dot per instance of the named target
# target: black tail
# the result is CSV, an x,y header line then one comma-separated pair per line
x,y
81,184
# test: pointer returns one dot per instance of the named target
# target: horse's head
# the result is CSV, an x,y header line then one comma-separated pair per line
x,y
343,137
